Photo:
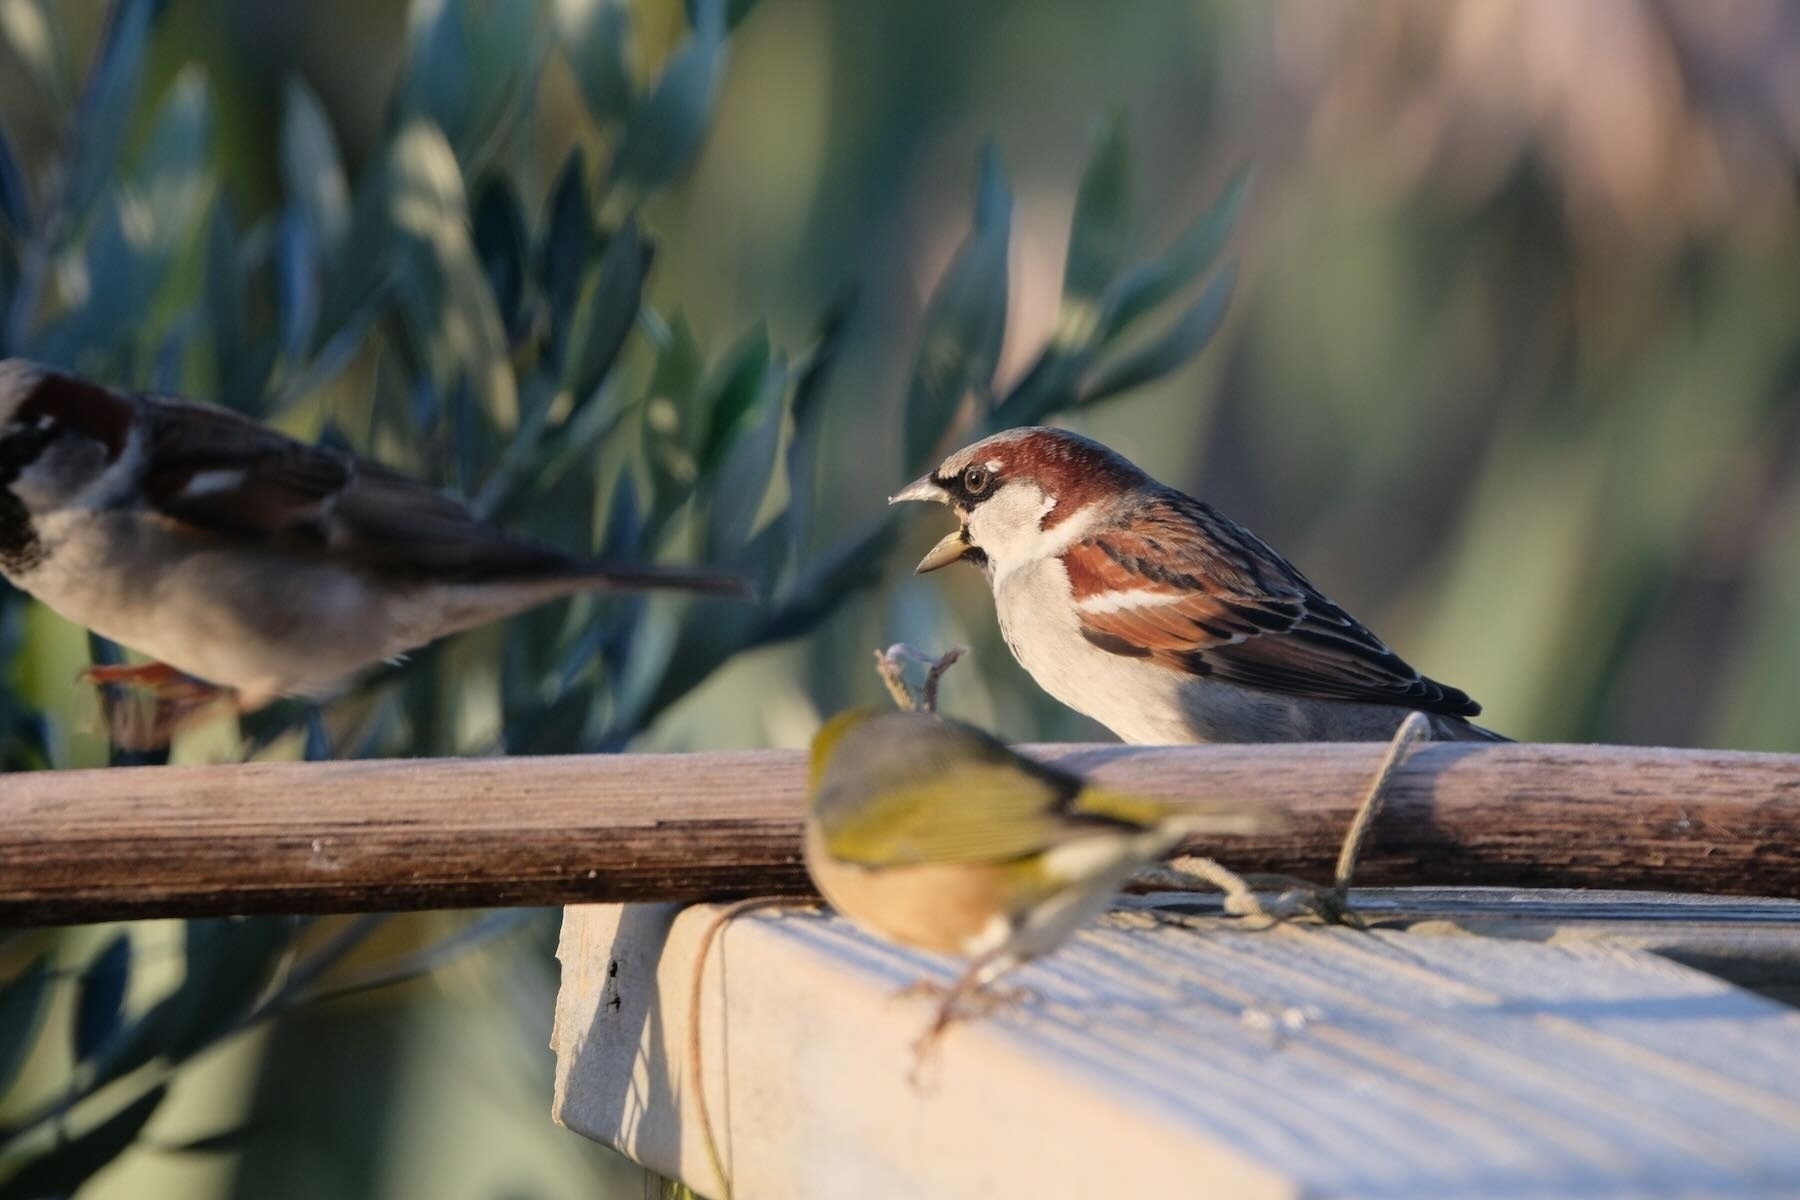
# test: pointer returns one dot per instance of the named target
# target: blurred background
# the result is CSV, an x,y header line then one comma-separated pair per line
x,y
1511,368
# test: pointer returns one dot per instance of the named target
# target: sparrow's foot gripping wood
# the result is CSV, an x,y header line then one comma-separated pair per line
x,y
975,1003
146,704
971,995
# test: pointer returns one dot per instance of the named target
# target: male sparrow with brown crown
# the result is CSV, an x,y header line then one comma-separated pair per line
x,y
244,558
1157,615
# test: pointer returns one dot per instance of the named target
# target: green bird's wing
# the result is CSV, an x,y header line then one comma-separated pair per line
x,y
908,788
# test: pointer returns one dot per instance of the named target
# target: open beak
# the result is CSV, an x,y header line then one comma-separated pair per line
x,y
954,546
922,488
951,548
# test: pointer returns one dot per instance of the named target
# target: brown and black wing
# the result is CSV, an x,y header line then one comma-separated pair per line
x,y
229,476
1188,588
226,475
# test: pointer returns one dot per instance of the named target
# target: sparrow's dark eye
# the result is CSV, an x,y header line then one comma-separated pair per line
x,y
976,479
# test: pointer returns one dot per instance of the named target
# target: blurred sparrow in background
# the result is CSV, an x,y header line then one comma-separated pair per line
x,y
241,559
1158,616
937,836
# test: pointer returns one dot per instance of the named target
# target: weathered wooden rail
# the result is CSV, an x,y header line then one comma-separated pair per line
x,y
1219,1058
378,836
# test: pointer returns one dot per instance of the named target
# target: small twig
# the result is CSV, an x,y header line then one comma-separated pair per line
x,y
1185,870
1243,895
1413,730
893,674
928,695
891,665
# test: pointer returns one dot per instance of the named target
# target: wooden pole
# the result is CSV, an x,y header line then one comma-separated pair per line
x,y
378,836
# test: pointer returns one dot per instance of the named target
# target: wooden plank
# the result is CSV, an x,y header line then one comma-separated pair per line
x,y
375,836
1154,1059
1753,943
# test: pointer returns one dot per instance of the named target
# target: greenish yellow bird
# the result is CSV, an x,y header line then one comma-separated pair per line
x,y
935,835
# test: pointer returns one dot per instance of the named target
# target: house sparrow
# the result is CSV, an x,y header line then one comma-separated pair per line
x,y
935,835
243,558
1157,615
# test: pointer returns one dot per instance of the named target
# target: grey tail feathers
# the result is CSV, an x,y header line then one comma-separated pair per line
x,y
701,580
555,573
1460,729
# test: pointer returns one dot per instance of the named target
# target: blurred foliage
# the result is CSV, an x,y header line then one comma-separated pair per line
x,y
425,312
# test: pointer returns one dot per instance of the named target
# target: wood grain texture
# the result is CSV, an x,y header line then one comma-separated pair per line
x,y
1205,1060
377,836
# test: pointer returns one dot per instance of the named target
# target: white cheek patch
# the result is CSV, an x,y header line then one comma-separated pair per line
x,y
1009,527
1005,525
208,483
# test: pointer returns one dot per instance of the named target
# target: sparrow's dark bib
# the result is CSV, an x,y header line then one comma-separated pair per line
x,y
63,403
20,549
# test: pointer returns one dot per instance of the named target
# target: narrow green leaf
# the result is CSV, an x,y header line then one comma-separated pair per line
x,y
623,534
1046,388
108,102
72,1163
225,292
1099,235
297,285
444,296
736,386
227,305
225,1141
596,39
471,68
15,195
312,170
741,481
435,86
368,260
483,931
146,223
571,448
608,309
21,1015
664,135
174,169
680,370
570,236
965,323
709,632
1144,288
808,409
100,996
1164,353
851,566
500,242
228,961
511,41
675,417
